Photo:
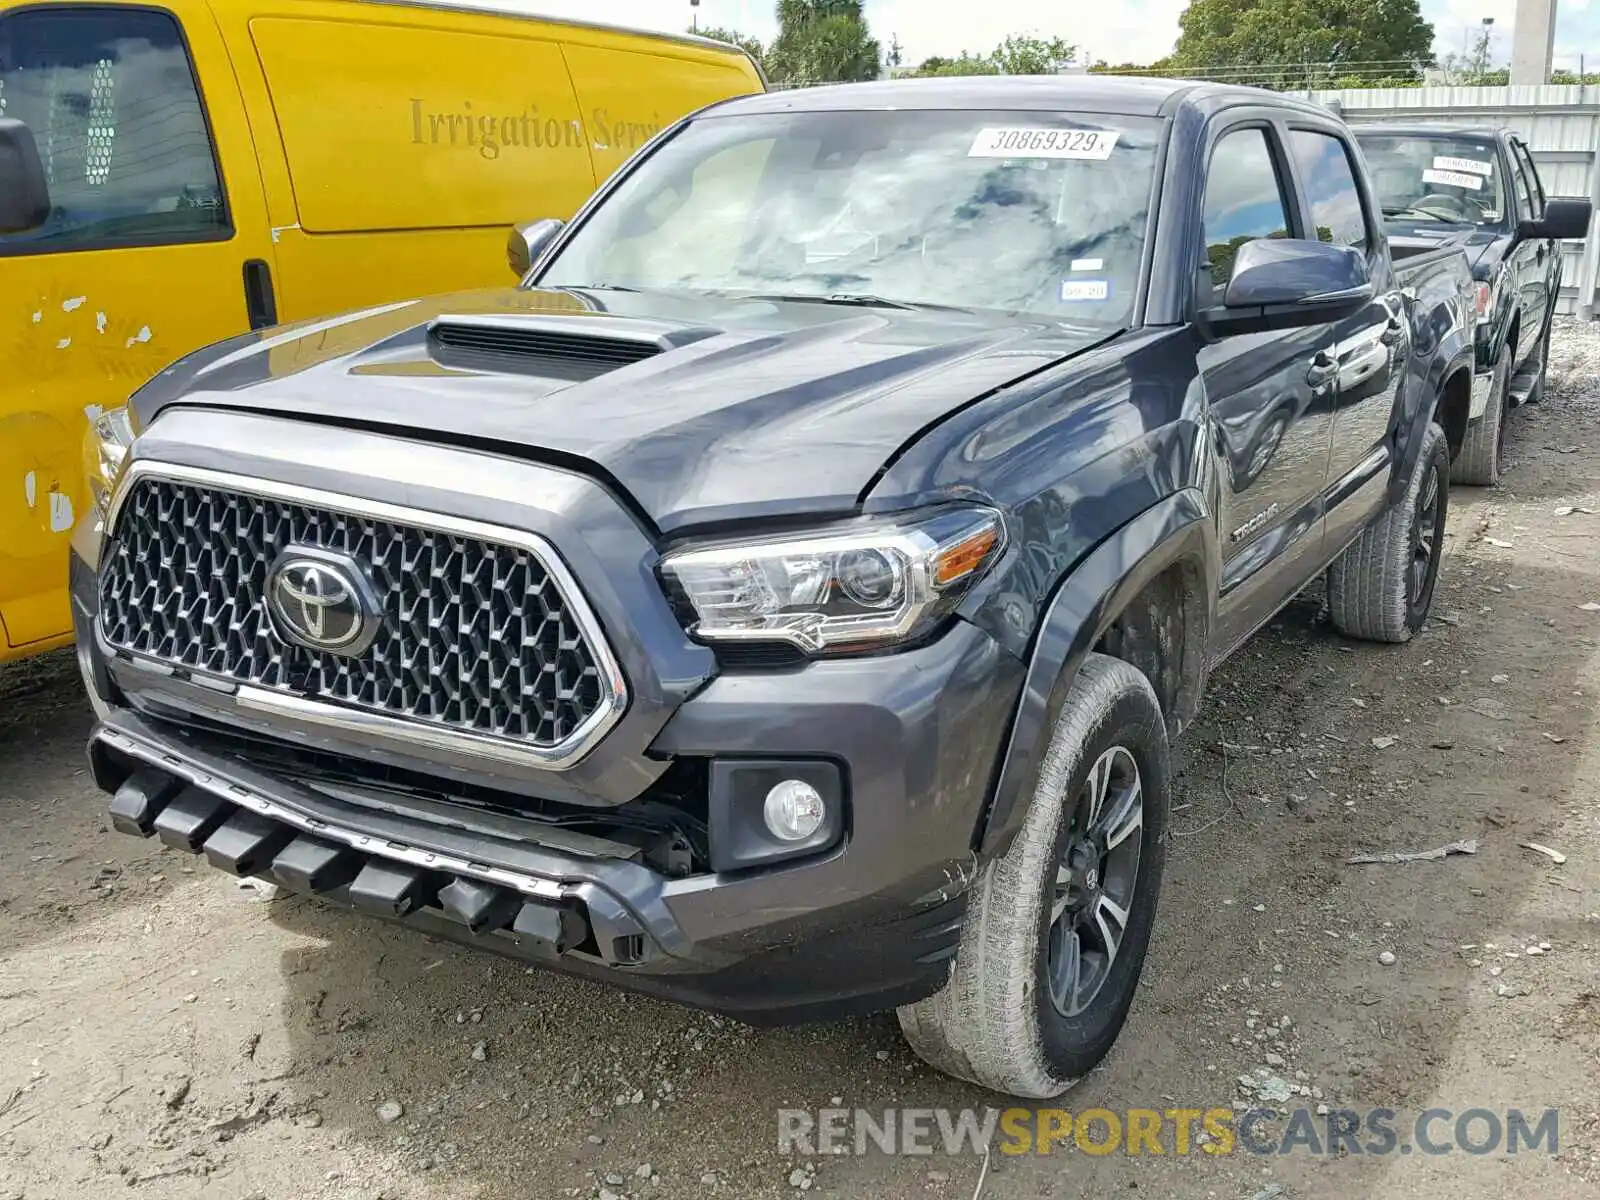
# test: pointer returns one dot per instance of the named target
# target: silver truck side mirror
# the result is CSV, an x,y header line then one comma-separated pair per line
x,y
528,242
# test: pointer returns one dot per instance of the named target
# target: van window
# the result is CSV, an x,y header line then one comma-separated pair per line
x,y
408,123
1244,199
110,97
1330,183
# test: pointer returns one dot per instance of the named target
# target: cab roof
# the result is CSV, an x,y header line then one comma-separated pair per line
x,y
1426,129
1115,94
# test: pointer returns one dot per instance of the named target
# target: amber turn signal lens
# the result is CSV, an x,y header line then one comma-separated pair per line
x,y
962,559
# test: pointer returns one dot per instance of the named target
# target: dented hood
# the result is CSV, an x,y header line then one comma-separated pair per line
x,y
739,408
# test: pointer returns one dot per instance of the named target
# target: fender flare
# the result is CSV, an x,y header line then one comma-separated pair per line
x,y
1408,435
1089,598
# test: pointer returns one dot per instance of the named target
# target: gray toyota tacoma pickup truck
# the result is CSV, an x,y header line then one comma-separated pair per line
x,y
781,601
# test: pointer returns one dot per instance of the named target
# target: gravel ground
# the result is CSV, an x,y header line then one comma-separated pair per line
x,y
168,1034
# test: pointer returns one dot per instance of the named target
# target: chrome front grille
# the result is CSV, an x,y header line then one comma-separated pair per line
x,y
480,636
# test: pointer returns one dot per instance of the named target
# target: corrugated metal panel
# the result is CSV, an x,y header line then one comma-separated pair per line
x,y
1561,125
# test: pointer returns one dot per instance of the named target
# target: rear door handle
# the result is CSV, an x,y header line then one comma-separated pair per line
x,y
260,305
1324,369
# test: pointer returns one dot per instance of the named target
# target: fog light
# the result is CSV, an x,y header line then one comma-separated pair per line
x,y
794,810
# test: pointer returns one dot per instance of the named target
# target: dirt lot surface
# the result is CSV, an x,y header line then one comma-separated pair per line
x,y
165,1033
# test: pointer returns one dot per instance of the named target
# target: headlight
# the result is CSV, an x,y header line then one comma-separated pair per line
x,y
862,586
105,450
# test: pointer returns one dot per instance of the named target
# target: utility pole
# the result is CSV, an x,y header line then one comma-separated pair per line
x,y
1480,60
1533,42
694,15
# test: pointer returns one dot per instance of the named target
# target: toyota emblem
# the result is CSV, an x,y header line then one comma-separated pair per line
x,y
322,600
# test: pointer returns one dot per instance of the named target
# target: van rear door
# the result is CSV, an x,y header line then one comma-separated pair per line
x,y
156,229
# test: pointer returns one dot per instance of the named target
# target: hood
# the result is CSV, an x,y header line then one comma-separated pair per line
x,y
701,409
1484,247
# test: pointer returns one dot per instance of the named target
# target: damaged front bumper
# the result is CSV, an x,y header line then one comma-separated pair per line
x,y
871,923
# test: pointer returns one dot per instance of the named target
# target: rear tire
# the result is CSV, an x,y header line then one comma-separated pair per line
x,y
1479,462
1381,588
1034,1001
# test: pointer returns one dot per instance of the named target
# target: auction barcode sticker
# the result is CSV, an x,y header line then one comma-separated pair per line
x,y
1021,142
1454,179
1470,165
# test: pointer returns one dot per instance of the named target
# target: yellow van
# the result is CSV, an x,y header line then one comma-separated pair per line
x,y
220,165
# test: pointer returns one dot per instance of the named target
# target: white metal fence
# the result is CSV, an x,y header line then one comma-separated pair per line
x,y
1561,125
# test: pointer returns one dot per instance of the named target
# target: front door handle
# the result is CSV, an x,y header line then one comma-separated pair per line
x,y
260,304
1324,369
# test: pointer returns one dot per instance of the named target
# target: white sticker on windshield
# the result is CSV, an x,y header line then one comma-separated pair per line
x,y
1088,264
1454,179
1043,143
1470,165
1075,290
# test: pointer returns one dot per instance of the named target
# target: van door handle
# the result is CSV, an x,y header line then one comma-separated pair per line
x,y
259,302
1324,369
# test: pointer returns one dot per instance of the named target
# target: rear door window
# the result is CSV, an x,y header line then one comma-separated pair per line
x,y
110,97
1337,210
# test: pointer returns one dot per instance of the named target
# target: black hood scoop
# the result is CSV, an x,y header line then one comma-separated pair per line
x,y
573,349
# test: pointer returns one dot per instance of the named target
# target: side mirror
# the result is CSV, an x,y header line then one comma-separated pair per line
x,y
528,242
24,191
1562,219
1288,283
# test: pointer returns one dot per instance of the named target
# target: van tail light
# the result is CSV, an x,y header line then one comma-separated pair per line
x,y
1483,300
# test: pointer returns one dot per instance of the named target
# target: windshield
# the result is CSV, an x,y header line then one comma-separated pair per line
x,y
1037,212
1454,181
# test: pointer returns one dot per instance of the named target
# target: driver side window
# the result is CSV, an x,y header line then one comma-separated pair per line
x,y
110,97
1244,199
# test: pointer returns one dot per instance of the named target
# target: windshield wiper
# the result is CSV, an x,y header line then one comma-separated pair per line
x,y
1417,212
855,299
591,287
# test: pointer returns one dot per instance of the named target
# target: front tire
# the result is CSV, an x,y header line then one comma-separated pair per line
x,y
1381,588
1483,449
1057,927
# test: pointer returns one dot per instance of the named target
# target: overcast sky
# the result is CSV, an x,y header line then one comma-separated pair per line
x,y
1126,30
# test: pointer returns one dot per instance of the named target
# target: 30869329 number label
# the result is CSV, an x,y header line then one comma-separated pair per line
x,y
1043,143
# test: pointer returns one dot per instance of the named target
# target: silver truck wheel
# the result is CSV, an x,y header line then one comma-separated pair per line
x,y
1057,927
1381,587
1478,463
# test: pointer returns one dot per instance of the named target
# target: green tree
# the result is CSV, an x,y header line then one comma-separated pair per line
x,y
1019,54
750,45
1299,43
822,41
966,64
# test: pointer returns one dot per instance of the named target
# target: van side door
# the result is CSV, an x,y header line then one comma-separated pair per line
x,y
1371,347
156,244
1270,395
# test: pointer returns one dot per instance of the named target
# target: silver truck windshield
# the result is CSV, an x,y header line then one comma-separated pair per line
x,y
1037,212
1434,178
